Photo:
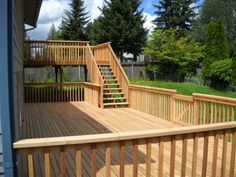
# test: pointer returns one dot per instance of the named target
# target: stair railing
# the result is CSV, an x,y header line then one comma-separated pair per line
x,y
104,54
93,70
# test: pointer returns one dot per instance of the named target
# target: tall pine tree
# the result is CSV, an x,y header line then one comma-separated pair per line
x,y
74,22
53,33
234,61
216,47
122,24
176,14
212,10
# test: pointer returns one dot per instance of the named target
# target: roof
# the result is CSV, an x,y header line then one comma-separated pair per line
x,y
31,11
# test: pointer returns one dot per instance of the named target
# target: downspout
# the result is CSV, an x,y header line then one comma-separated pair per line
x,y
6,79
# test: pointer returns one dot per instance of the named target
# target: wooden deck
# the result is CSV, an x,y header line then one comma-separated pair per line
x,y
81,118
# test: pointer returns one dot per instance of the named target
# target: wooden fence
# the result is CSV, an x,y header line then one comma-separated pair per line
x,y
198,109
54,52
62,92
183,151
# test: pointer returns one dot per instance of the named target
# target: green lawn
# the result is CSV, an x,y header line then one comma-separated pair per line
x,y
184,88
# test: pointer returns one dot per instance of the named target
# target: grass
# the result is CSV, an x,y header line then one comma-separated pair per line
x,y
184,88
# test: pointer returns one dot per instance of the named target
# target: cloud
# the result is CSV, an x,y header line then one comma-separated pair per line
x,y
149,24
52,11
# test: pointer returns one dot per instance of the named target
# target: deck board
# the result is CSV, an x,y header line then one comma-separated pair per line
x,y
81,118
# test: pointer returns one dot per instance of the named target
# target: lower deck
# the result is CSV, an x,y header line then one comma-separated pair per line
x,y
80,118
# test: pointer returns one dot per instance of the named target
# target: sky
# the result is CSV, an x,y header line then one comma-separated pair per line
x,y
52,11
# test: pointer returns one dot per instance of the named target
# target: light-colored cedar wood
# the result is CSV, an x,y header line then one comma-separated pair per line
x,y
135,158
172,156
161,157
62,118
184,156
62,160
215,154
148,158
233,149
108,160
30,164
47,163
122,159
78,162
195,154
205,155
93,161
224,153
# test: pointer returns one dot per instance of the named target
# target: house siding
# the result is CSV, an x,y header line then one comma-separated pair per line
x,y
18,41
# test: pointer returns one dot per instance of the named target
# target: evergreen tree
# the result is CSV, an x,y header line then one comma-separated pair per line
x,y
217,66
53,34
234,62
178,14
73,24
216,47
122,24
212,10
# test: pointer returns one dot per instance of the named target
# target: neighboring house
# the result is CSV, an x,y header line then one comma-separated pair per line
x,y
14,14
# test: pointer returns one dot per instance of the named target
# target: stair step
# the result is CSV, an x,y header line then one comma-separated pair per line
x,y
111,80
109,76
115,104
105,89
115,93
117,98
116,84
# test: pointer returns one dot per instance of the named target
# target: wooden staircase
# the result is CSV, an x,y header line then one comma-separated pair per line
x,y
113,96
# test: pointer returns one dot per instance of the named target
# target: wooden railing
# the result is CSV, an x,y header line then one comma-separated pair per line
x,y
154,101
54,52
94,73
185,151
198,109
104,54
62,92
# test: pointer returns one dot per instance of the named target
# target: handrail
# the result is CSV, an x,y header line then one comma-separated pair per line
x,y
216,99
153,89
55,41
111,137
95,74
119,65
62,84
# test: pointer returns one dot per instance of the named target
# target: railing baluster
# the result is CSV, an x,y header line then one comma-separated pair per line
x,y
184,156
233,149
205,154
30,163
47,162
160,158
135,158
78,162
172,156
195,153
93,160
62,158
148,158
224,153
108,160
215,154
122,159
